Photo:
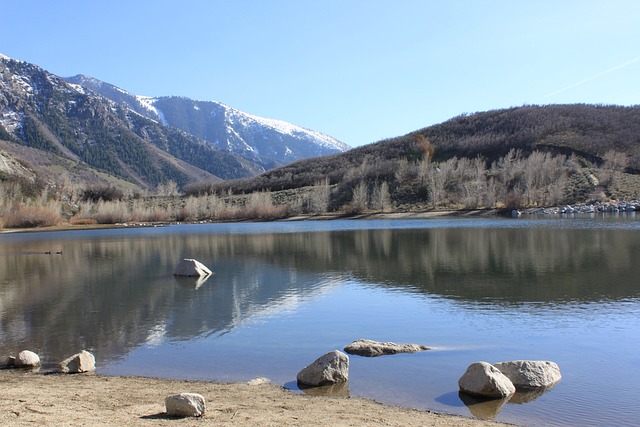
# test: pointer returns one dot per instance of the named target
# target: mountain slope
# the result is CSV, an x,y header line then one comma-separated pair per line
x,y
588,131
44,112
266,141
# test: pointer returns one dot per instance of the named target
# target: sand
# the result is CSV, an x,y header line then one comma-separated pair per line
x,y
89,399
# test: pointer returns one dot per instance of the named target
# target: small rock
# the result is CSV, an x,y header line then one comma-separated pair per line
x,y
185,405
484,379
259,381
191,267
372,348
79,362
26,359
9,362
530,373
330,368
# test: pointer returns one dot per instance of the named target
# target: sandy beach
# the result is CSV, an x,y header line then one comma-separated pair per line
x,y
87,399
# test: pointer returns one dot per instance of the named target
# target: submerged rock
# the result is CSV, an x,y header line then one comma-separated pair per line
x,y
530,373
330,368
26,359
372,348
191,268
9,362
185,405
79,362
484,379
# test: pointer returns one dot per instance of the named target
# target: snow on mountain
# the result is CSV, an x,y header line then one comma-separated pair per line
x,y
146,102
269,142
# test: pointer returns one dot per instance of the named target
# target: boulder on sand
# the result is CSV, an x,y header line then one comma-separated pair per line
x,y
79,362
484,379
26,359
330,368
185,405
191,268
372,348
530,373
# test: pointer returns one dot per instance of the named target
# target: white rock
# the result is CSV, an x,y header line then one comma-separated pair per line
x,y
185,405
27,358
530,373
372,348
330,368
259,381
484,379
191,267
79,362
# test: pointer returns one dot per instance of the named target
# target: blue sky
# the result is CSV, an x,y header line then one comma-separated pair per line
x,y
358,70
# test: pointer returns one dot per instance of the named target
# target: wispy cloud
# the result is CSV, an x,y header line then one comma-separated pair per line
x,y
596,76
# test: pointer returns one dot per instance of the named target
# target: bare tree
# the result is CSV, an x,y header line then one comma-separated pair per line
x,y
381,199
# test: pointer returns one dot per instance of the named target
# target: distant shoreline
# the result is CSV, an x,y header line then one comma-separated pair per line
x,y
315,217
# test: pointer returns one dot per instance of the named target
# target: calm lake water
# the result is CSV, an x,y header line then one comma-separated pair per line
x,y
282,294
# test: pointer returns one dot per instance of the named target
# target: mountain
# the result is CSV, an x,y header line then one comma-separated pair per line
x,y
77,133
521,156
267,142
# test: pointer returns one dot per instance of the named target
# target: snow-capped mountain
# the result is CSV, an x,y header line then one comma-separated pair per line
x,y
65,130
268,142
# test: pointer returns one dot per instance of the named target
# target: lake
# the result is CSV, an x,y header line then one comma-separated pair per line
x,y
282,294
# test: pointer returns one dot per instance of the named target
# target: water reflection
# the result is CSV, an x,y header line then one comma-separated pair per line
x,y
110,293
488,409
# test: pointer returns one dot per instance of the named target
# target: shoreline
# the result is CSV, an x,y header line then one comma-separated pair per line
x,y
295,218
94,399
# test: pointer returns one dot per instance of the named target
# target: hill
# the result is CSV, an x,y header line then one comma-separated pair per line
x,y
522,156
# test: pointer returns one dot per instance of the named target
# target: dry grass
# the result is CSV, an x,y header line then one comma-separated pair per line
x,y
79,220
31,217
112,213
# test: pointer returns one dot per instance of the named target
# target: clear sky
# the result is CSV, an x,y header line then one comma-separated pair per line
x,y
358,70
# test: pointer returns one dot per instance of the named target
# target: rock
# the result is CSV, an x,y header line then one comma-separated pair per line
x,y
484,379
259,381
530,373
9,362
185,405
191,267
79,362
330,368
371,348
27,359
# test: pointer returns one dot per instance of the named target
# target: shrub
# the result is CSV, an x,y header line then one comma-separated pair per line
x,y
111,213
104,193
32,216
80,220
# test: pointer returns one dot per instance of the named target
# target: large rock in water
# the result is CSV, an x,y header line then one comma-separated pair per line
x,y
484,379
185,405
191,268
79,362
330,368
530,373
372,348
27,359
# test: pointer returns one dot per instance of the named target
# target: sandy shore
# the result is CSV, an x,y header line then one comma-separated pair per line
x,y
72,400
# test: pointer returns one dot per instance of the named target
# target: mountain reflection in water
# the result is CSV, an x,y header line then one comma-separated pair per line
x,y
113,291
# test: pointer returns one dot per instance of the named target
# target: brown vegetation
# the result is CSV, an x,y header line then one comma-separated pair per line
x,y
32,216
